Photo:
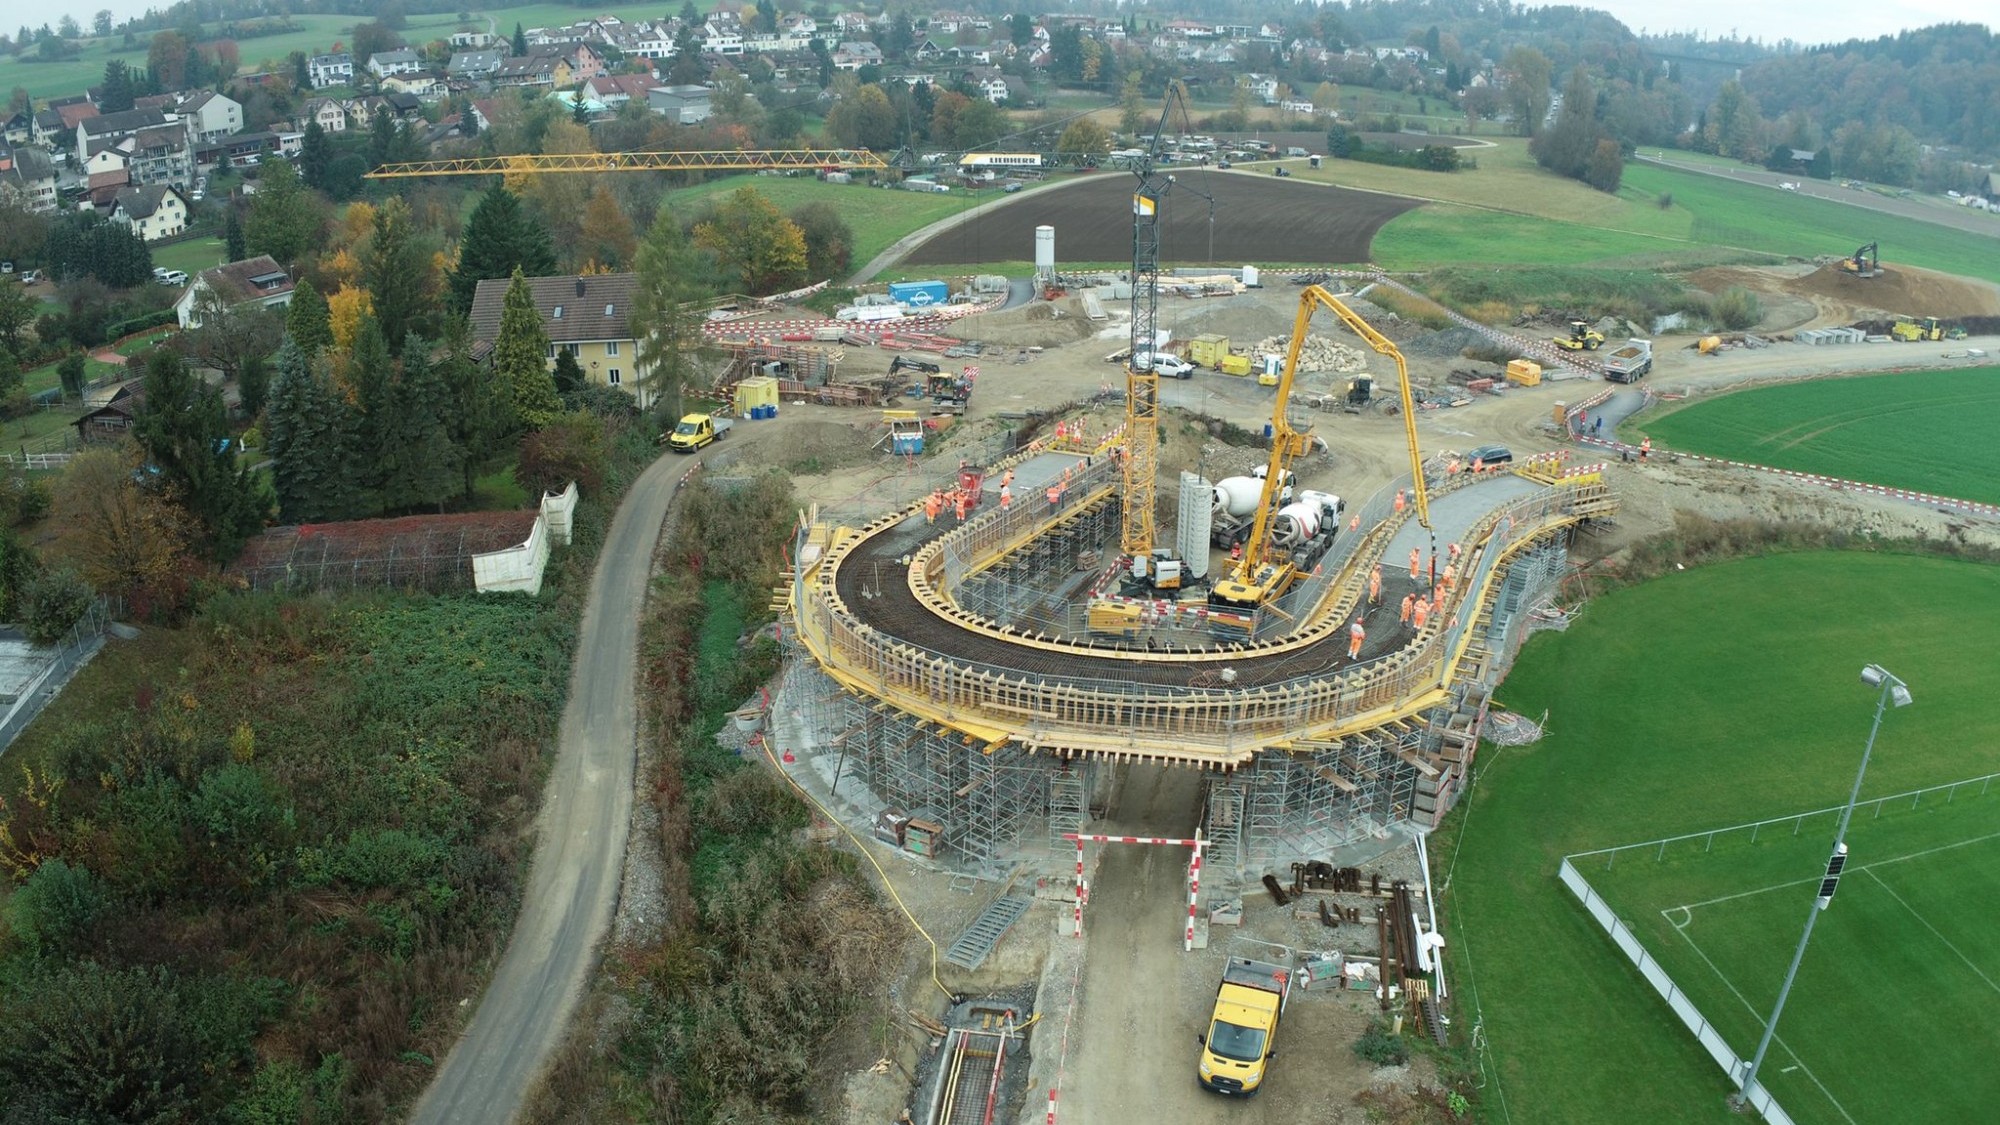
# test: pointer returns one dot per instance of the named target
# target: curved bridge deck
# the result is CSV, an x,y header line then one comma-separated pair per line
x,y
869,609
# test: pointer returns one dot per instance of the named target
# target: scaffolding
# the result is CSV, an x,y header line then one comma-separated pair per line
x,y
1040,585
1069,801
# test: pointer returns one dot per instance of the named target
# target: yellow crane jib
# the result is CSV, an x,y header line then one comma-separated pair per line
x,y
536,163
1259,577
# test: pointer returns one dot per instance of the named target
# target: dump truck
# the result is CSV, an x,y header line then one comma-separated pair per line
x,y
1244,1026
694,431
1630,363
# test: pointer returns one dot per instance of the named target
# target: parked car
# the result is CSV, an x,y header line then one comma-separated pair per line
x,y
1490,455
174,278
1164,365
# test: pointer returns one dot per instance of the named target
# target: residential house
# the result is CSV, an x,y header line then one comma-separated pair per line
x,y
614,90
472,40
388,64
330,113
107,159
160,156
20,128
102,188
927,51
475,65
362,110
799,26
1410,54
654,40
1263,87
988,81
485,111
209,116
684,104
422,87
111,423
258,280
855,54
723,34
29,174
1017,90
330,70
589,317
108,127
152,211
534,71
851,23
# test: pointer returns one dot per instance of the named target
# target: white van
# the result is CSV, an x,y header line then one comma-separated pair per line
x,y
1295,151
176,278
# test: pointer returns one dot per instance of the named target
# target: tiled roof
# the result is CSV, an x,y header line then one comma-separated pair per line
x,y
595,307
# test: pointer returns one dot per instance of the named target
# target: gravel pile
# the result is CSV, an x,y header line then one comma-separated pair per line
x,y
1447,344
1317,353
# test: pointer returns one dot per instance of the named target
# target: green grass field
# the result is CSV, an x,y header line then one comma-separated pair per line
x,y
192,256
1447,234
1909,921
1913,430
1722,695
877,217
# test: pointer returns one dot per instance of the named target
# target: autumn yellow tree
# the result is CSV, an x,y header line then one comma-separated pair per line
x,y
607,234
343,313
121,537
559,200
752,239
356,223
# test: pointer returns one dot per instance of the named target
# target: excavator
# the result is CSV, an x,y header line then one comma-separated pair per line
x,y
1582,338
1864,262
1265,572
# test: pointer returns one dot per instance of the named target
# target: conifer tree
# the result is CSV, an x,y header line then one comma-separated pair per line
x,y
424,470
520,358
307,321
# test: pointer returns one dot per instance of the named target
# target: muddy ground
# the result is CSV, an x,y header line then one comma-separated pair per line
x,y
1809,296
1128,1056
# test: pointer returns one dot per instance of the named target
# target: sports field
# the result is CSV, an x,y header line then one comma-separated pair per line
x,y
1931,431
1722,695
1903,962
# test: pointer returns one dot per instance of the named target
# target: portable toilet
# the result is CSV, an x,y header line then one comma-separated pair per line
x,y
1270,368
906,432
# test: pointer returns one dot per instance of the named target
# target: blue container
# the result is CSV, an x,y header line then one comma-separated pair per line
x,y
1267,431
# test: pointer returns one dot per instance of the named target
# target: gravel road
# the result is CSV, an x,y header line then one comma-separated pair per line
x,y
580,832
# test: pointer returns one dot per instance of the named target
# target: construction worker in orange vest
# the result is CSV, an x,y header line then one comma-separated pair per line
x,y
1420,613
1399,501
1453,548
1355,635
1354,524
932,505
1450,575
1006,478
1006,497
1478,466
1414,559
1408,601
1645,449
1437,597
1375,585
1451,469
1055,496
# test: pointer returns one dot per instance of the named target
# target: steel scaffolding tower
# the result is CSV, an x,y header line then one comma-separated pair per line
x,y
1069,803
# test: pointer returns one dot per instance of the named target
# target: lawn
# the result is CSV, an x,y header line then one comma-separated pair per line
x,y
191,257
1723,916
877,217
46,377
1916,430
1709,697
1445,234
1755,217
40,431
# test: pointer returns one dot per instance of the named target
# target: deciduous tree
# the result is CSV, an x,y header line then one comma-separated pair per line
x,y
752,239
829,240
122,536
1084,135
606,232
672,276
285,217
1528,72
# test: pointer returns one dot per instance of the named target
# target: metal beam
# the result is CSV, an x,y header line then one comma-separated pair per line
x,y
740,159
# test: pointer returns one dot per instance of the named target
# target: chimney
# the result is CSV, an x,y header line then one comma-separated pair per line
x,y
579,286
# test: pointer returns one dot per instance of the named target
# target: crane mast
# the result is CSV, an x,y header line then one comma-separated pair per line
x,y
1142,382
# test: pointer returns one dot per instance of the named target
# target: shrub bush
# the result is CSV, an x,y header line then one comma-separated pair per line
x,y
1380,1047
1737,308
56,908
53,603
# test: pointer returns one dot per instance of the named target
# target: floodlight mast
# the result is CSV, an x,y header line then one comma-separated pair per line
x,y
1893,691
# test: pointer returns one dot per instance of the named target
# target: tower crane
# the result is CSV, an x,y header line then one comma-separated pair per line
x,y
747,159
1264,574
1142,383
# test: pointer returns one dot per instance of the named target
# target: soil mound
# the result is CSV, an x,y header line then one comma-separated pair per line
x,y
1901,289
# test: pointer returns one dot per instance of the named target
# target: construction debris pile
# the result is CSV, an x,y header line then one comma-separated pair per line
x,y
1317,354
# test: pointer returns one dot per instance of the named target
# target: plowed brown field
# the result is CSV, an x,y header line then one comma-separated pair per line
x,y
1257,218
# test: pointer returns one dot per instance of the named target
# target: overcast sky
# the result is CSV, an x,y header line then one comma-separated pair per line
x,y
1808,21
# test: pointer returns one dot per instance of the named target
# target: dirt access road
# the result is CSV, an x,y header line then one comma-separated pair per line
x,y
1143,1001
580,838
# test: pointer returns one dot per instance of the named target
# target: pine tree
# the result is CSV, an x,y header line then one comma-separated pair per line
x,y
499,238
315,156
568,374
671,277
306,321
233,247
183,427
520,358
475,407
426,466
371,374
395,269
291,428
520,42
284,219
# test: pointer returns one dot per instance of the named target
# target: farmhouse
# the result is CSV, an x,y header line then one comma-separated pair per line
x,y
152,212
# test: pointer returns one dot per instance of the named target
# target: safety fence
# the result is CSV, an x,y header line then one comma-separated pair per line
x,y
1210,719
66,656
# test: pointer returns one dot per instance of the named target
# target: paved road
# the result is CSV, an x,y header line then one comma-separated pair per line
x,y
580,839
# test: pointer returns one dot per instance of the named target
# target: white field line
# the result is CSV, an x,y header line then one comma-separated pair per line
x,y
1779,1040
1934,930
1869,867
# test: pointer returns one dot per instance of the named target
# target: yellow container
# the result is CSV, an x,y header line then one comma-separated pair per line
x,y
1208,350
1234,365
758,390
1524,372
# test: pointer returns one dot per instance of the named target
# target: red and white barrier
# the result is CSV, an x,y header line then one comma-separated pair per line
x,y
1838,484
1194,873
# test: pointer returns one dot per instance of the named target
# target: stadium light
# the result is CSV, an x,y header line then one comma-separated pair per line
x,y
1893,691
